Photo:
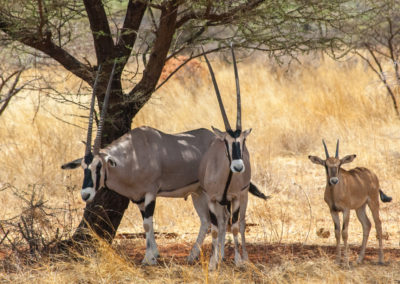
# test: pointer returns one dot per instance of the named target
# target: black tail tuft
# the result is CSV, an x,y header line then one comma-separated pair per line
x,y
256,192
384,197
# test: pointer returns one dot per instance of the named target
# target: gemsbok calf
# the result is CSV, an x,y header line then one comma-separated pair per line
x,y
353,189
225,177
146,163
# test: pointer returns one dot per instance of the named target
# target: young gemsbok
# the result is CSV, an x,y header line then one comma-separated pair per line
x,y
146,163
353,189
225,177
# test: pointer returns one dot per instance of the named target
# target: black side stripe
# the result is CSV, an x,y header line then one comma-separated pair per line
x,y
140,201
173,189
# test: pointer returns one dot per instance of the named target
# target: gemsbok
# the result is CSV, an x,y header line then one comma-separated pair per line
x,y
353,189
145,163
225,177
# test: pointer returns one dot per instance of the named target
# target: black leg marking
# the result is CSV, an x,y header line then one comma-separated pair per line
x,y
213,218
142,212
336,227
149,210
235,216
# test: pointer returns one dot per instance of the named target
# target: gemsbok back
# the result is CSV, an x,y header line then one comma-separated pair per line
x,y
145,163
353,189
225,177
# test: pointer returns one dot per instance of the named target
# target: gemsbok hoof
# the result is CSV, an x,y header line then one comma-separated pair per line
x,y
149,261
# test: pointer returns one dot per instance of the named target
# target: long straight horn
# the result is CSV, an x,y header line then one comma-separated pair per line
x,y
90,127
97,141
221,105
337,149
239,105
326,149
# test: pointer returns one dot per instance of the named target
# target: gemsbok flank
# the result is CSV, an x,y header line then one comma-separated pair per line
x,y
145,163
353,189
225,177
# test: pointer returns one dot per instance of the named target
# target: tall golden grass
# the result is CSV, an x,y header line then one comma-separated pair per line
x,y
289,110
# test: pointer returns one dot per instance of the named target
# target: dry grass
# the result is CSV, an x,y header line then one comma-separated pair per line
x,y
289,111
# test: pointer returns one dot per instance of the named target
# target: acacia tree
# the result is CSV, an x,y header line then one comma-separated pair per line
x,y
151,32
375,38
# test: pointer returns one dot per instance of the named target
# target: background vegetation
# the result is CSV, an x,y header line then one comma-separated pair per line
x,y
290,111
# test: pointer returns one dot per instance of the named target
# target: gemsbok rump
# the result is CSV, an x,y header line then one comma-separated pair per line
x,y
225,177
145,163
353,189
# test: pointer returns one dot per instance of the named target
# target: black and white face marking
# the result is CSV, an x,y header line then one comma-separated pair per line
x,y
93,177
234,143
235,151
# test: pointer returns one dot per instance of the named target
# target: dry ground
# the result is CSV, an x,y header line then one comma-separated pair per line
x,y
290,111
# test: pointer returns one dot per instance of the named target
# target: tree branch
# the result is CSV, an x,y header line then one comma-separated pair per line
x,y
103,42
151,74
47,46
133,19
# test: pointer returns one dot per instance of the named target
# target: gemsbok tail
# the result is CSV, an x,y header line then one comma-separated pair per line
x,y
384,197
256,192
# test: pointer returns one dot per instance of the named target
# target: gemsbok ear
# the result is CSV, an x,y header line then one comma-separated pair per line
x,y
72,165
109,160
218,133
317,160
247,132
348,159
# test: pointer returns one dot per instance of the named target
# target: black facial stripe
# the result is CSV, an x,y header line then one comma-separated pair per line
x,y
87,178
98,174
234,134
236,153
227,151
213,219
149,210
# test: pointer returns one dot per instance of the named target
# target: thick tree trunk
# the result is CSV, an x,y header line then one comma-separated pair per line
x,y
103,215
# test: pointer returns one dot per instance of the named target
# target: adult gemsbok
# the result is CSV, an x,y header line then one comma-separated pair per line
x,y
225,177
353,189
145,163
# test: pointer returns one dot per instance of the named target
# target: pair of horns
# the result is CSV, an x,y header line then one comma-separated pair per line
x,y
326,149
221,105
97,141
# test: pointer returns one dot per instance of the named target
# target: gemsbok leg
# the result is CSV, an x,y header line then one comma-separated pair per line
x,y
235,229
201,206
151,247
336,221
374,207
345,235
242,216
366,225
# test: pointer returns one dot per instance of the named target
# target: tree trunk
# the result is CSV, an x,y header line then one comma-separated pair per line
x,y
103,215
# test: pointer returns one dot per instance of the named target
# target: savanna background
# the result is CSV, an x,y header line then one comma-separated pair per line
x,y
291,104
